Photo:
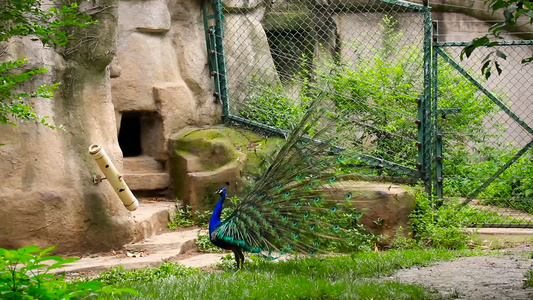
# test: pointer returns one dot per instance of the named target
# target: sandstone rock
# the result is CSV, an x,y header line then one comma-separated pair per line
x,y
114,68
176,106
385,207
188,35
47,196
144,60
144,16
204,160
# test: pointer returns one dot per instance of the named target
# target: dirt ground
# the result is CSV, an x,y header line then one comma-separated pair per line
x,y
498,276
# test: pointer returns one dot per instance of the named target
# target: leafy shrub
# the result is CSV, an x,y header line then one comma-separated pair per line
x,y
26,18
470,170
24,274
268,105
204,244
444,227
182,218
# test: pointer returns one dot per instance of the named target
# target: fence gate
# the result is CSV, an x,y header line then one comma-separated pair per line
x,y
482,131
268,57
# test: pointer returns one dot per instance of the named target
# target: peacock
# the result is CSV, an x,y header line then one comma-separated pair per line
x,y
290,208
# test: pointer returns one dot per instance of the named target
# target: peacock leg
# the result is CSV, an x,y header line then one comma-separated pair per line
x,y
241,257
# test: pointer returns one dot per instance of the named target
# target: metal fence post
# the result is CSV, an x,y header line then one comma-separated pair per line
x,y
426,102
221,58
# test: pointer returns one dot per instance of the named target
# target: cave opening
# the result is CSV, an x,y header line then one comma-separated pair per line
x,y
129,136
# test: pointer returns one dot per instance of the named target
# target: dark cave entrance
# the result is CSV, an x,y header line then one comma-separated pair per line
x,y
129,136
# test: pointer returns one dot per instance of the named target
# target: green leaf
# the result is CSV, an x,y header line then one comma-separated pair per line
x,y
501,54
498,68
527,60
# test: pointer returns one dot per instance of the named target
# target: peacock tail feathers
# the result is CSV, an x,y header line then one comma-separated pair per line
x,y
291,208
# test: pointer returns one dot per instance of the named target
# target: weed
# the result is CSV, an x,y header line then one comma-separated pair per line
x,y
205,245
444,227
529,278
182,218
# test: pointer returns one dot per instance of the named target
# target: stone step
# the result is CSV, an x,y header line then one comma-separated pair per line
x,y
152,217
166,241
147,181
143,164
502,235
150,252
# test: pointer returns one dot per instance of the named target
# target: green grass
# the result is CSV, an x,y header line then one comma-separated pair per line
x,y
529,278
342,277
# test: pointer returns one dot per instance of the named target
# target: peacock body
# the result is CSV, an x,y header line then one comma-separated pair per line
x,y
291,208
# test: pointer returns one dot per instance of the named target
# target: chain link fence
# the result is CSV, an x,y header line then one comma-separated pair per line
x,y
416,109
486,133
366,57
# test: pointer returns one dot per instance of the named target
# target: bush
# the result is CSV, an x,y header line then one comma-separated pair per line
x,y
469,170
24,274
444,227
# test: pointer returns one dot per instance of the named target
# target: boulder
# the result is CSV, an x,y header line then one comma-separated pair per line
x,y
384,207
204,160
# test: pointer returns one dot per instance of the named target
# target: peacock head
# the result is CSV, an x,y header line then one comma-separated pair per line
x,y
221,192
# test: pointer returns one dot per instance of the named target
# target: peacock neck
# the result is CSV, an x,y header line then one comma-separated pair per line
x,y
215,217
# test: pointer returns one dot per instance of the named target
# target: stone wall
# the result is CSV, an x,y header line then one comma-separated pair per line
x,y
161,68
46,193
144,56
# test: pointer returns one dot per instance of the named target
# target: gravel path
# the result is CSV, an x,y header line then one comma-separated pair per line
x,y
479,277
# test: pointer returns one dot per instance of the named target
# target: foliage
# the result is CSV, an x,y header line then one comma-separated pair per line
x,y
120,276
268,105
27,18
204,244
182,218
529,278
352,277
376,96
469,169
25,274
511,12
186,217
443,227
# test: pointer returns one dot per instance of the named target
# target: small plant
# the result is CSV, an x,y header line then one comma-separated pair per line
x,y
25,274
227,263
201,218
182,218
205,245
443,227
268,105
529,278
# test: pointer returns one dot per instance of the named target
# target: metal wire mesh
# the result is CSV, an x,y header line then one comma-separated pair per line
x,y
367,55
487,138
